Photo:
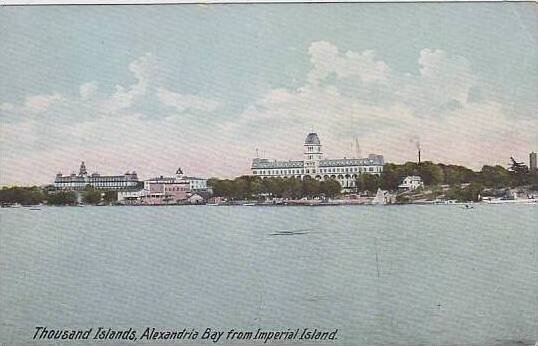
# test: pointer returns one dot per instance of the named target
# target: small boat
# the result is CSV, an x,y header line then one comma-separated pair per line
x,y
248,204
212,204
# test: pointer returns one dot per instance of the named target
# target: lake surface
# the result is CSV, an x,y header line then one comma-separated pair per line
x,y
394,275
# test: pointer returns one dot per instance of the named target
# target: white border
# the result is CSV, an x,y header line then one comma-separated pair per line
x,y
148,2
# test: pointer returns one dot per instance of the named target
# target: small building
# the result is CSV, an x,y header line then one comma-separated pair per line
x,y
165,190
177,189
410,183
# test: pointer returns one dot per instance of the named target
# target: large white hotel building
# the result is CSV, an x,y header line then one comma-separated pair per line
x,y
314,166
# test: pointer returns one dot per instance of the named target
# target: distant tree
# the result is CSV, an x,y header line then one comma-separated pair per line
x,y
454,174
311,187
391,176
368,182
22,195
473,192
330,188
430,173
110,196
91,195
495,176
62,198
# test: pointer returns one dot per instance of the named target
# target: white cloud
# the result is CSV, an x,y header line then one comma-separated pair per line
x,y
327,59
125,97
432,105
184,102
109,131
347,95
33,105
87,90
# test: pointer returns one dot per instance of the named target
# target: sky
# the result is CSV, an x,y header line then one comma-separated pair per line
x,y
152,88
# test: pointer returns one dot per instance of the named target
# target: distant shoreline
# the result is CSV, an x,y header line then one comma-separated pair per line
x,y
247,205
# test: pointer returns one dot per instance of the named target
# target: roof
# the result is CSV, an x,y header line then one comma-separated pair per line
x,y
413,177
266,164
312,138
346,162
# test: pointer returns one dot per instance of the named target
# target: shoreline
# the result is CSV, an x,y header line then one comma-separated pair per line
x,y
469,205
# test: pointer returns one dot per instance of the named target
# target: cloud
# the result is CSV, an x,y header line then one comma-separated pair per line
x,y
346,95
125,97
33,105
354,95
87,90
183,102
112,131
326,59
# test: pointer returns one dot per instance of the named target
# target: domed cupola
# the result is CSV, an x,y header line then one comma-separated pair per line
x,y
312,139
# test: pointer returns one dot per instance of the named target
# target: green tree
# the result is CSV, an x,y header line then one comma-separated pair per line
x,y
495,176
91,195
430,173
311,187
368,182
110,196
330,188
22,195
61,198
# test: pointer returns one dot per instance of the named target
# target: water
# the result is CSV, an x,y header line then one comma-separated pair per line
x,y
395,275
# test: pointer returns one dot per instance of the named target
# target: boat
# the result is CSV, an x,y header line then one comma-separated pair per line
x,y
248,204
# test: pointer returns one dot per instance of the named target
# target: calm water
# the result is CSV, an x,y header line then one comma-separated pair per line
x,y
406,275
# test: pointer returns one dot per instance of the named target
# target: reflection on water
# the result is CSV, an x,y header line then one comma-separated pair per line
x,y
408,275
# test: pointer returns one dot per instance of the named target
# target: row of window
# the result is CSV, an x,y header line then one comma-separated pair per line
x,y
175,189
376,169
101,183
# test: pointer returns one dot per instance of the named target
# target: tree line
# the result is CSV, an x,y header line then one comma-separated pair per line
x,y
437,174
432,174
251,187
36,195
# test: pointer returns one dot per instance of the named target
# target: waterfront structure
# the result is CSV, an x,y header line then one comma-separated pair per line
x,y
165,190
411,183
315,166
532,162
104,182
196,184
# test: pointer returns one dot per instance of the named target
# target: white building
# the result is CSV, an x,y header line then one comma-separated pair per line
x,y
196,184
104,182
411,183
314,166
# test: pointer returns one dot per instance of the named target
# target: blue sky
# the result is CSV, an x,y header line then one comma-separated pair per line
x,y
153,87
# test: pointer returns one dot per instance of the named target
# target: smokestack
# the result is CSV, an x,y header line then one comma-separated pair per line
x,y
418,155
